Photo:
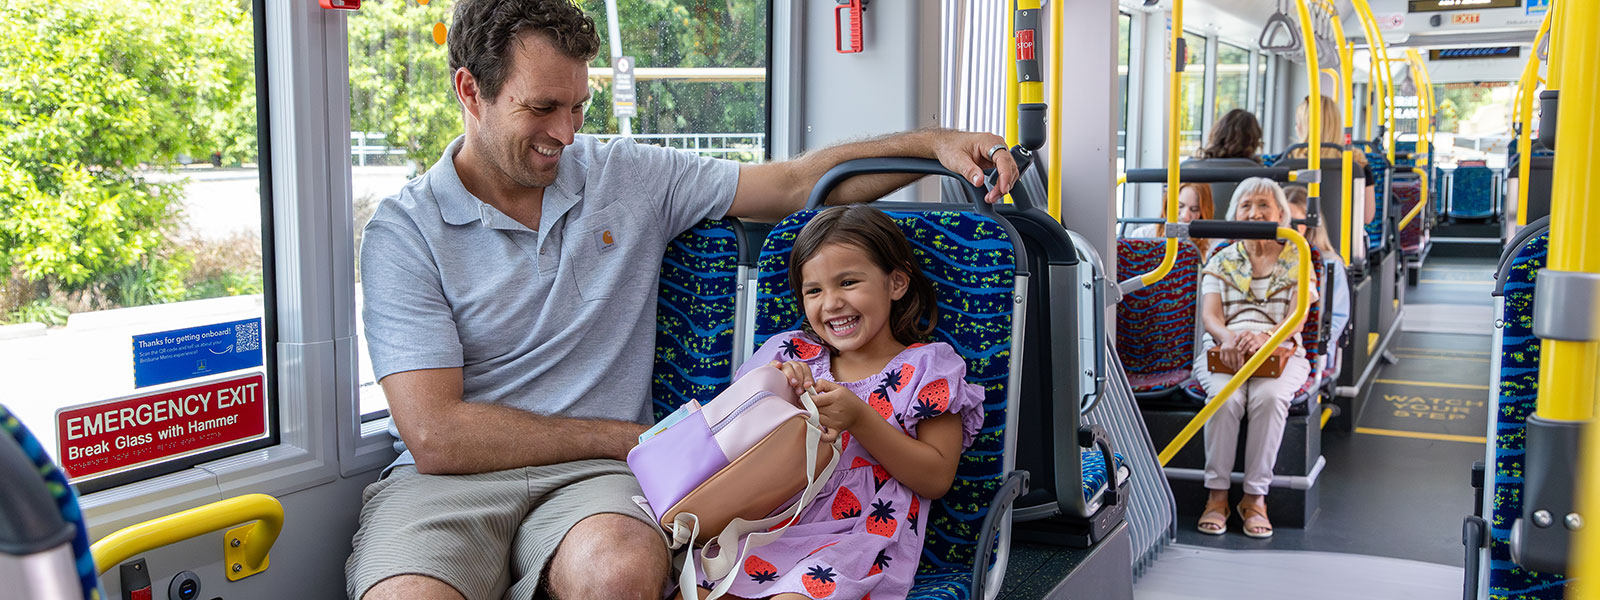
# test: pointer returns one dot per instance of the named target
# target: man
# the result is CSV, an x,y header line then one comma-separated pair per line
x,y
510,314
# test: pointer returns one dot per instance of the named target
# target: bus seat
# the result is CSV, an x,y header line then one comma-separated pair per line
x,y
1221,193
1313,335
1472,193
697,312
1404,193
1380,180
42,529
1331,205
971,260
1155,325
1515,400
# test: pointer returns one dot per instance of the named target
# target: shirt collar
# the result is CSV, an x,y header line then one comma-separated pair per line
x,y
459,207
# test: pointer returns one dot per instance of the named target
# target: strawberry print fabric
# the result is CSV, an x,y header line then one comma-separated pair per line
x,y
862,536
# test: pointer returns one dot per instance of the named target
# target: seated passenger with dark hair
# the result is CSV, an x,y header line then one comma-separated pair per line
x,y
1234,141
1246,291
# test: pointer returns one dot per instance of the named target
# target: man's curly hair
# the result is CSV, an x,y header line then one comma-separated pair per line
x,y
483,32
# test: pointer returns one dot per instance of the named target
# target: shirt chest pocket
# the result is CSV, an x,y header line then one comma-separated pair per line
x,y
599,246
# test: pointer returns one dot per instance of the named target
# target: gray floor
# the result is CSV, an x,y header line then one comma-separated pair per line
x,y
1399,485
1191,572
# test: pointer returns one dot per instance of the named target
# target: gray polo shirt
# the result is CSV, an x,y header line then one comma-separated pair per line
x,y
559,321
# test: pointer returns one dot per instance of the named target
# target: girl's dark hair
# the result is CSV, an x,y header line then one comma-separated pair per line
x,y
1236,135
913,316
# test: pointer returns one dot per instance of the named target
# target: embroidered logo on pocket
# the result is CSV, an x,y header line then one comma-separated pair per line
x,y
603,240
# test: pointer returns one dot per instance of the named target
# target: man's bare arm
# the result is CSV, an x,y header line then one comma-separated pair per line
x,y
776,189
449,436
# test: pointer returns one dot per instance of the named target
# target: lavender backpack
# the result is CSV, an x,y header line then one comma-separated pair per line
x,y
742,466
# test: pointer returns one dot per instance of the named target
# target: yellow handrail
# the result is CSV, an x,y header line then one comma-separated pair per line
x,y
1314,79
1174,100
1415,210
1013,91
1346,156
1053,192
1380,55
1285,329
1567,369
253,542
1524,117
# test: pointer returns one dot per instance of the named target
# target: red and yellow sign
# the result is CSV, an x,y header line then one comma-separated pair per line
x,y
117,435
1466,18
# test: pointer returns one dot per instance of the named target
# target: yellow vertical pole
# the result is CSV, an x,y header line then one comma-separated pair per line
x,y
1346,153
1054,55
1425,106
1013,93
1381,63
1568,381
1174,100
1314,75
1568,370
1524,118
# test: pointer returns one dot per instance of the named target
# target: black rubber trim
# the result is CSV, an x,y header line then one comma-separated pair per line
x,y
30,522
1236,230
1209,174
1541,225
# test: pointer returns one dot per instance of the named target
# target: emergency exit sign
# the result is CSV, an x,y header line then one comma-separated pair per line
x,y
118,435
1438,5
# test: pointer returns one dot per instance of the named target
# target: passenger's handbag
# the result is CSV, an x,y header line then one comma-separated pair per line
x,y
716,473
1272,367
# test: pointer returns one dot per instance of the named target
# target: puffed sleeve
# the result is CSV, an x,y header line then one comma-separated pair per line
x,y
784,347
937,385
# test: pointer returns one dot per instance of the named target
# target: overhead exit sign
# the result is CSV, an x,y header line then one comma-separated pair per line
x,y
1437,5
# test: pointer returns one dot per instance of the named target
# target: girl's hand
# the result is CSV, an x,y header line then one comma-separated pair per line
x,y
799,375
839,408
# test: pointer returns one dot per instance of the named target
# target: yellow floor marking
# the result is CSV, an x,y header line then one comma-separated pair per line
x,y
1463,386
1444,437
1372,343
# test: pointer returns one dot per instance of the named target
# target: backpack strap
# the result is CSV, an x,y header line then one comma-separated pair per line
x,y
686,527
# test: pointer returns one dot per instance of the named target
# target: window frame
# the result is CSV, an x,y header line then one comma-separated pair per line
x,y
299,49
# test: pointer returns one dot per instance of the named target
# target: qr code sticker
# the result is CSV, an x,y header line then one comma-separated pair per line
x,y
247,337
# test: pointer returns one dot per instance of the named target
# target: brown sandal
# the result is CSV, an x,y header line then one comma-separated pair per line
x,y
1214,521
1255,518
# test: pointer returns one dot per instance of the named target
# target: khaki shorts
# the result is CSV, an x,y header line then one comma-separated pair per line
x,y
461,529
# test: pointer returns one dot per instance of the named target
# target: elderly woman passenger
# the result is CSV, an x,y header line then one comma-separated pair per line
x,y
1246,290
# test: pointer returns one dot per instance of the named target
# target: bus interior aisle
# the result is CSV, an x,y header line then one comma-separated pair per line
x,y
1392,492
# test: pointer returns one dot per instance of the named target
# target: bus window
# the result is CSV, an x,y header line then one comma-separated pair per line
x,y
1191,116
132,313
1124,39
1233,73
700,84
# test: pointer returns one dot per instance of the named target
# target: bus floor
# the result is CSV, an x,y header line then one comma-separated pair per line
x,y
1393,492
1400,483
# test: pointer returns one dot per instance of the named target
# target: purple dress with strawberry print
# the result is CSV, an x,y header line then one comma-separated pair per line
x,y
862,536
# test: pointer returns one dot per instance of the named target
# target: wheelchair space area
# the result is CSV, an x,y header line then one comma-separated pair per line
x,y
1400,483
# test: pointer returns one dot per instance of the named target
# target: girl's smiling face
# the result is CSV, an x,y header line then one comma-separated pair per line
x,y
848,298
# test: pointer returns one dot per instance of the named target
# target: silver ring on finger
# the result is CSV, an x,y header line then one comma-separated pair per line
x,y
993,149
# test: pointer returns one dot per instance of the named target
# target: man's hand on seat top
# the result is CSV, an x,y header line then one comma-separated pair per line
x,y
969,153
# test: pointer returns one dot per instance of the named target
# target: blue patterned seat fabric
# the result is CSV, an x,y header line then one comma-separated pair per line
x,y
66,499
695,312
1519,390
1094,472
1380,173
1155,325
969,258
1472,193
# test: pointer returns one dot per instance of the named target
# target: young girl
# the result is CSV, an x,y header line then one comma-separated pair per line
x,y
900,406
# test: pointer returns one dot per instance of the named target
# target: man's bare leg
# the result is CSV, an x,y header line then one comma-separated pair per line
x,y
412,586
608,556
